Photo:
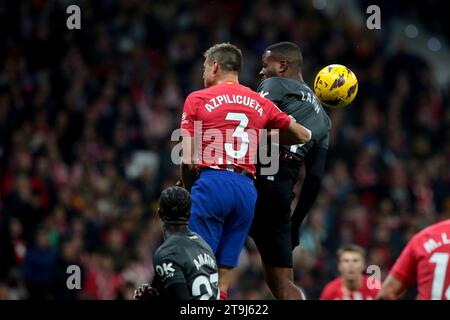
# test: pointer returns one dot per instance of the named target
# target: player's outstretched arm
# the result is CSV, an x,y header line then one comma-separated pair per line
x,y
295,134
188,171
392,289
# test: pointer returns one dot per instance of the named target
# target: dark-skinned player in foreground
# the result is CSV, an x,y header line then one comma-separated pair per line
x,y
274,230
185,266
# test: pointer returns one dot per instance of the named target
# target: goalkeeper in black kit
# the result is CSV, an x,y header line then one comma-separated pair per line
x,y
274,230
185,266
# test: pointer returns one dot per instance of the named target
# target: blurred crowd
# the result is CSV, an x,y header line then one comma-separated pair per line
x,y
86,118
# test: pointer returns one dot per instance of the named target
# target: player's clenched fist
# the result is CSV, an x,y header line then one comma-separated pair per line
x,y
145,292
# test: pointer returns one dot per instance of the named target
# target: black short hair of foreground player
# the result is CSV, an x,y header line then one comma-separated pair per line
x,y
175,205
227,55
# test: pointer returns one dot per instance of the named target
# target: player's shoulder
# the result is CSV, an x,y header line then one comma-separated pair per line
x,y
198,239
283,83
164,251
438,226
432,230
331,289
179,241
190,241
169,249
198,94
272,83
278,87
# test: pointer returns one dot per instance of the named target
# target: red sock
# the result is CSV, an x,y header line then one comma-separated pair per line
x,y
223,295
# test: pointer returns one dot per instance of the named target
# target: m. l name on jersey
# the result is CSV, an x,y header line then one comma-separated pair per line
x,y
432,245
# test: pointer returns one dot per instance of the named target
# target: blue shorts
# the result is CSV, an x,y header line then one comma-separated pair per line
x,y
223,204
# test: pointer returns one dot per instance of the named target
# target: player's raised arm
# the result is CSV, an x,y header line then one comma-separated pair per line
x,y
290,131
295,134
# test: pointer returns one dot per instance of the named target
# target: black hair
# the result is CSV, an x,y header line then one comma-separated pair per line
x,y
288,51
175,205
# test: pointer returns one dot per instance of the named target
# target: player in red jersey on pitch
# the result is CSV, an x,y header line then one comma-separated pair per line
x,y
352,284
227,117
425,261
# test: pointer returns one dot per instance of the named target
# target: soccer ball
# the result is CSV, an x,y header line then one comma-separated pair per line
x,y
336,86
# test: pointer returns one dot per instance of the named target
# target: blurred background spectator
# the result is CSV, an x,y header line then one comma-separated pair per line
x,y
86,117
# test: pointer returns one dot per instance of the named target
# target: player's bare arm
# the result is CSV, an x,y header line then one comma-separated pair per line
x,y
392,289
188,172
295,134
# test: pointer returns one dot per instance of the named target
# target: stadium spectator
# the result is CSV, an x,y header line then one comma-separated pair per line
x,y
353,284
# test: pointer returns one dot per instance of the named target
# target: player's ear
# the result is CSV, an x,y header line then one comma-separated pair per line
x,y
215,67
283,66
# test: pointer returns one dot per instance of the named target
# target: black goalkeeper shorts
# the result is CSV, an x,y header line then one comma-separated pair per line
x,y
271,227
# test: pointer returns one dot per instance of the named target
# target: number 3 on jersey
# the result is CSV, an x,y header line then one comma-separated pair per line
x,y
240,133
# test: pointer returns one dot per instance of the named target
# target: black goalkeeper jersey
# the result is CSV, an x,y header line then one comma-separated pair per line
x,y
297,100
186,258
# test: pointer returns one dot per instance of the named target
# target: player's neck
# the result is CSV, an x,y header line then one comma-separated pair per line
x,y
353,284
229,77
172,229
294,75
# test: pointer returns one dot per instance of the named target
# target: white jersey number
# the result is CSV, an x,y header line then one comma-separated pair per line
x,y
441,261
238,133
202,287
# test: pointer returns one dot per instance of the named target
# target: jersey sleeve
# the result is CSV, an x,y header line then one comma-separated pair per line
x,y
168,270
188,116
277,119
404,268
